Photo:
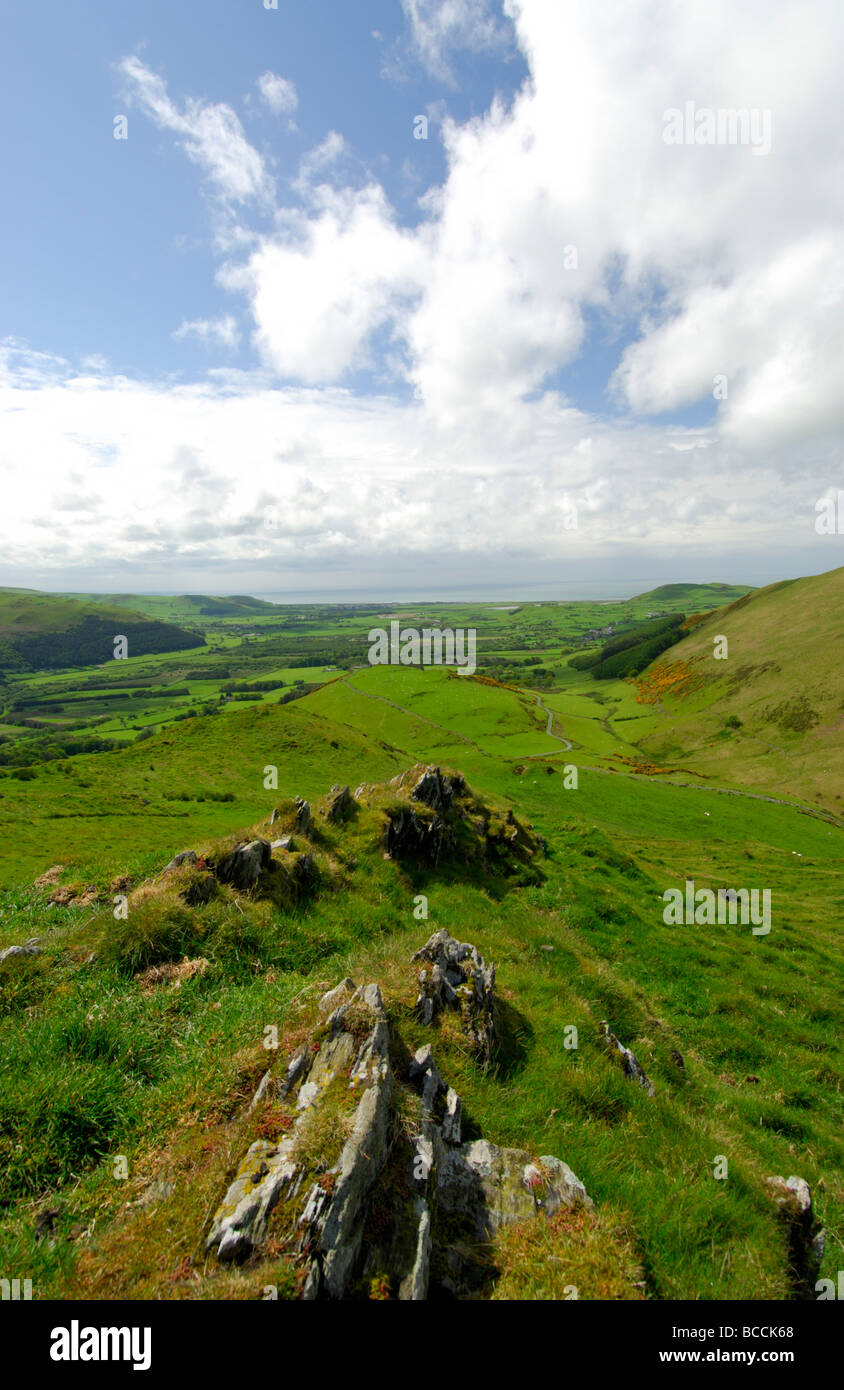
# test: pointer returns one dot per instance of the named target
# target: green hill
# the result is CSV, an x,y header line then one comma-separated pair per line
x,y
769,715
40,632
184,607
697,597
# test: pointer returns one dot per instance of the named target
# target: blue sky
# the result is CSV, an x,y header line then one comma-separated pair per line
x,y
112,233
271,341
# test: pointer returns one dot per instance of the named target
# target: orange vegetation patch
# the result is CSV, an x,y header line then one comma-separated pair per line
x,y
678,678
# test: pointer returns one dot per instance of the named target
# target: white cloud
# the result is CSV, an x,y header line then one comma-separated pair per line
x,y
212,136
320,290
223,332
704,260
439,27
277,92
296,486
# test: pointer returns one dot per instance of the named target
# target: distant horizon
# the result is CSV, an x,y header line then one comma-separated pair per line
x,y
597,592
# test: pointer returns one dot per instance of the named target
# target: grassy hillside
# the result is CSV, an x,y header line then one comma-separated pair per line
x,y
771,714
698,598
45,632
181,608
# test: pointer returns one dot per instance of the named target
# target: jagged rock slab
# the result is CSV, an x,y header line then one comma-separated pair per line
x,y
330,1210
411,1213
491,1187
457,977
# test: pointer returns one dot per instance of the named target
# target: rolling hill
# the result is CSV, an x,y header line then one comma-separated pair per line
x,y
40,632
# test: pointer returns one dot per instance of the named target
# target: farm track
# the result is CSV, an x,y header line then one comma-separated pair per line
x,y
549,728
816,812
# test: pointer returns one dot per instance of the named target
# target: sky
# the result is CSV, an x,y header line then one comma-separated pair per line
x,y
410,296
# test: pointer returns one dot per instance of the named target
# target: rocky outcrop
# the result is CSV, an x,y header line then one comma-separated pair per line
x,y
440,818
409,835
455,976
362,1201
243,867
626,1059
348,1080
806,1239
433,787
302,823
340,806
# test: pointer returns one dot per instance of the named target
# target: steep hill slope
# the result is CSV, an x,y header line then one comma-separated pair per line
x,y
770,715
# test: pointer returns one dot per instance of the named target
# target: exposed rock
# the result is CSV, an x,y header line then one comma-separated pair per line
x,y
493,1187
45,1222
305,872
201,889
437,790
328,1212
440,818
458,978
29,948
340,994
303,816
187,856
626,1059
806,1239
244,866
362,1204
341,805
265,1088
411,835
452,1118
424,1071
158,1191
286,842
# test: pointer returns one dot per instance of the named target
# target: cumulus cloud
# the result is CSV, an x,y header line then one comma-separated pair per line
x,y
320,291
278,93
